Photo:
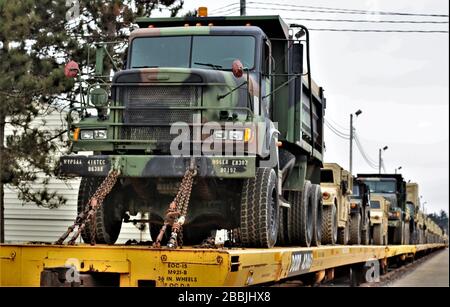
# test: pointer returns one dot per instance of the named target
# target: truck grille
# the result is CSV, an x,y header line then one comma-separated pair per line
x,y
150,109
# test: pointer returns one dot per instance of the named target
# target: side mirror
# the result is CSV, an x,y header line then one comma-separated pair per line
x,y
71,69
237,68
297,58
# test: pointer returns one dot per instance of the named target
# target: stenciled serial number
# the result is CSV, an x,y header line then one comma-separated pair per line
x,y
227,162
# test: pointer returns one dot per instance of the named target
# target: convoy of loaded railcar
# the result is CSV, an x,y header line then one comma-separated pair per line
x,y
391,215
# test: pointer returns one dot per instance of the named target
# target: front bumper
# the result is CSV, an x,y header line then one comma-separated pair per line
x,y
157,166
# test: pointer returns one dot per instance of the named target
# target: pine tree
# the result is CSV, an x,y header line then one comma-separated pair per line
x,y
36,38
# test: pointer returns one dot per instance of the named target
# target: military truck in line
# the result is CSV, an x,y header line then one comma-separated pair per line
x,y
379,213
393,188
360,213
244,73
337,185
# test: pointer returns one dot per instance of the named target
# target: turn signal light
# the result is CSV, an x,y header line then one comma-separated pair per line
x,y
76,134
326,195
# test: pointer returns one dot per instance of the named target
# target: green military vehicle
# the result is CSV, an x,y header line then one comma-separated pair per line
x,y
337,185
379,212
223,100
393,188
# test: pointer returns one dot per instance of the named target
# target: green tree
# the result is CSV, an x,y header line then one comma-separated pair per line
x,y
36,38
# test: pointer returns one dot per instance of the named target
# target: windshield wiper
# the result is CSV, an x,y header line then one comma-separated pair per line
x,y
209,65
145,66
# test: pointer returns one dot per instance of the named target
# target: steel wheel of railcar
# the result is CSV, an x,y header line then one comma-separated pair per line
x,y
259,209
109,214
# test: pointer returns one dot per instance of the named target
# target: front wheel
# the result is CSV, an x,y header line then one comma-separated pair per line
x,y
259,210
108,219
378,238
329,225
355,229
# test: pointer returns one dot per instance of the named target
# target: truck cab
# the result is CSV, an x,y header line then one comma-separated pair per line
x,y
393,188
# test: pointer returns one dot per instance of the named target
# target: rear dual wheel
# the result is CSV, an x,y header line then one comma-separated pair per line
x,y
304,217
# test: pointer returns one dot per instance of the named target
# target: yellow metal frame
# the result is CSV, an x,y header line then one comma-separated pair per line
x,y
21,265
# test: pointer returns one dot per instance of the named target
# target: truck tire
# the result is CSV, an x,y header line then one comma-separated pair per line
x,y
108,217
365,237
343,235
398,234
378,238
300,216
365,232
259,209
283,238
316,199
406,234
355,229
329,225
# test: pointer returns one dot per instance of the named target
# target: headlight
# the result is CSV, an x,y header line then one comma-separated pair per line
x,y
100,134
220,135
233,135
86,134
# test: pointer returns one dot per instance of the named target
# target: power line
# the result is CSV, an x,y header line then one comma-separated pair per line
x,y
343,133
339,126
370,21
226,11
337,132
232,12
323,9
365,156
224,7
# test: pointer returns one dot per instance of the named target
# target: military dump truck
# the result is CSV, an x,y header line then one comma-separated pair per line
x,y
223,102
359,212
336,186
379,213
393,188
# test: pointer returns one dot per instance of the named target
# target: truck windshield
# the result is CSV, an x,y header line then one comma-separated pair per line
x,y
381,186
326,176
375,204
207,52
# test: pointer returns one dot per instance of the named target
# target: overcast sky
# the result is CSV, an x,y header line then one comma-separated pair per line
x,y
399,81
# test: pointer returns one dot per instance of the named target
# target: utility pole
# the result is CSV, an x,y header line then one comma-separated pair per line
x,y
379,158
243,13
350,167
351,144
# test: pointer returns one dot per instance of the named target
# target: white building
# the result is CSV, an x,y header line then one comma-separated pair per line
x,y
26,222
